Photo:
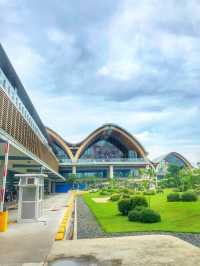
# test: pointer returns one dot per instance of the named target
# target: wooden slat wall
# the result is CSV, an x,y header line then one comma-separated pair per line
x,y
13,123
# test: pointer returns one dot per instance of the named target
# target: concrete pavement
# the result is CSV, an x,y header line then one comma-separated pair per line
x,y
31,242
151,250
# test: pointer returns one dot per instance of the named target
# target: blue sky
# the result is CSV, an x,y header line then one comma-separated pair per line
x,y
129,62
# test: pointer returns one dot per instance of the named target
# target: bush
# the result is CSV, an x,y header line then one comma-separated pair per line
x,y
138,201
125,196
189,196
138,193
135,214
115,197
124,206
173,197
111,190
159,190
104,193
149,192
125,190
176,190
149,216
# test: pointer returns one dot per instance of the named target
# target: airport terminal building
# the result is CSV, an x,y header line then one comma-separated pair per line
x,y
27,146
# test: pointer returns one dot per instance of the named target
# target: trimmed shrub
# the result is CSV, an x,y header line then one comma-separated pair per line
x,y
124,206
104,193
111,190
135,214
115,197
173,197
125,196
149,192
138,193
138,201
149,216
189,196
125,190
176,189
159,190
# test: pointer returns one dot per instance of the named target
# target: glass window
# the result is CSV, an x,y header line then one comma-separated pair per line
x,y
172,159
103,149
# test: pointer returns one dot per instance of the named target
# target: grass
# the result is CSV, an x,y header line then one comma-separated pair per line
x,y
176,216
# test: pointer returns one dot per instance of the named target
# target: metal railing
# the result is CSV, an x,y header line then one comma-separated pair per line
x,y
105,160
111,160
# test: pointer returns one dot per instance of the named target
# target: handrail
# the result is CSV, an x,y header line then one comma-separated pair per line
x,y
112,160
104,160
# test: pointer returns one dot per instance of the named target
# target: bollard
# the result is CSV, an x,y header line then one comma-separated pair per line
x,y
3,221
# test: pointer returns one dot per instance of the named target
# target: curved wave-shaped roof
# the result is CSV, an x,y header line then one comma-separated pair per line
x,y
177,155
60,141
129,140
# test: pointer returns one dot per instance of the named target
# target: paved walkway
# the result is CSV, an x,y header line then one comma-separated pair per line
x,y
146,250
31,242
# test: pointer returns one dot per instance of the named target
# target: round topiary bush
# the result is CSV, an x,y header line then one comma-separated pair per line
x,y
125,196
176,189
149,192
115,197
124,206
138,201
104,193
189,196
159,190
149,216
135,214
125,190
173,197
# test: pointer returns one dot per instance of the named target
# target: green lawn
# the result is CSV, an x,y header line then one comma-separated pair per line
x,y
176,216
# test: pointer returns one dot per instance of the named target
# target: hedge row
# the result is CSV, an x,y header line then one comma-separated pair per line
x,y
186,196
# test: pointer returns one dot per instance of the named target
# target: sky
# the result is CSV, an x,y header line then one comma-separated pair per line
x,y
129,62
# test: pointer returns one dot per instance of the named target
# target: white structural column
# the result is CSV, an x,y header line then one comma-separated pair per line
x,y
53,187
49,186
3,175
1,185
74,170
111,171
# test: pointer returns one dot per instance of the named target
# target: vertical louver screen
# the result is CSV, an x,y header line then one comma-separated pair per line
x,y
12,122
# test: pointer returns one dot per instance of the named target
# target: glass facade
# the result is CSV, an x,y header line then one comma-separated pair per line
x,y
104,149
59,152
125,172
172,159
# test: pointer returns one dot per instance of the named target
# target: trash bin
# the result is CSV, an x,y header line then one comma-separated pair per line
x,y
3,221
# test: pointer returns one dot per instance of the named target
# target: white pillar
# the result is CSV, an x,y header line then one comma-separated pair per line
x,y
74,170
111,172
49,186
53,187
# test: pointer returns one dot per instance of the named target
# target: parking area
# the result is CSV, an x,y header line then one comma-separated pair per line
x,y
31,242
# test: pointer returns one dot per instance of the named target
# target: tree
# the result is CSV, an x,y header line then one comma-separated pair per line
x,y
173,175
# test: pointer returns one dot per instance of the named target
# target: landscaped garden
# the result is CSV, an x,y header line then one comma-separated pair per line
x,y
176,216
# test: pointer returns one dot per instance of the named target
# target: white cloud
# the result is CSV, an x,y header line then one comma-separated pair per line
x,y
120,70
28,62
111,70
59,37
